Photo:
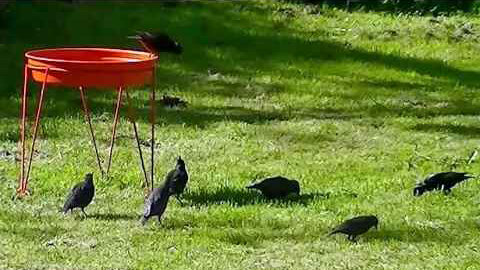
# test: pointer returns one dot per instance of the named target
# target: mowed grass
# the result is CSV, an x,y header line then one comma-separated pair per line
x,y
357,106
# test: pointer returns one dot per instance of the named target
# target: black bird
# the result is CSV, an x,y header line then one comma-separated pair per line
x,y
157,201
81,195
179,179
356,226
276,187
440,181
156,43
169,101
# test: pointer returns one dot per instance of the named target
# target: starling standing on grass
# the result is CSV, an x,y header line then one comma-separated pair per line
x,y
81,195
440,181
356,226
179,179
156,43
157,201
277,187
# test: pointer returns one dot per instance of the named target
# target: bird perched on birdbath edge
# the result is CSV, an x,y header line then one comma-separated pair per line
x,y
81,195
156,43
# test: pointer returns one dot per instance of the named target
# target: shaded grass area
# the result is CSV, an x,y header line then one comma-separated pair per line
x,y
357,106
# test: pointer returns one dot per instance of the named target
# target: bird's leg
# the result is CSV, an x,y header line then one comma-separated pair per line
x,y
83,211
143,220
159,221
352,238
178,199
446,191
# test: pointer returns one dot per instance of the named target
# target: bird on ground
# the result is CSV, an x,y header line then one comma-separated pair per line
x,y
444,181
156,43
178,178
276,187
356,226
81,195
157,201
169,101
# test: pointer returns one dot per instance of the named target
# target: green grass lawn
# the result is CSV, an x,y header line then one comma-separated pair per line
x,y
357,106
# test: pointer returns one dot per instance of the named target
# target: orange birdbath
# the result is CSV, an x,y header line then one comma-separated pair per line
x,y
84,68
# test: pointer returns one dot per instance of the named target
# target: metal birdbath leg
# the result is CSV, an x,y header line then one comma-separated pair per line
x,y
131,117
114,128
152,121
89,121
23,109
23,182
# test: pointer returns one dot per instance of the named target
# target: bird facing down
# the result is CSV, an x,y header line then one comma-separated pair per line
x,y
169,101
356,226
276,187
157,201
440,181
156,43
179,178
81,195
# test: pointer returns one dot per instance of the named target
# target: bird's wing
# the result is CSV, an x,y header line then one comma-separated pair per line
x,y
71,196
435,180
170,175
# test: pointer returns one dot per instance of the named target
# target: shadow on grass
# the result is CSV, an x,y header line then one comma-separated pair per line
x,y
246,37
240,197
33,233
468,131
413,235
113,216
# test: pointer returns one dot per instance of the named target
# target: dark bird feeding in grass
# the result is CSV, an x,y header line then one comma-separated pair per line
x,y
81,195
157,201
356,226
277,187
169,101
179,178
440,181
156,43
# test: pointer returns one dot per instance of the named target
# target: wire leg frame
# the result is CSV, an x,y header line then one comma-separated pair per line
x,y
131,116
89,121
25,175
25,172
114,128
152,122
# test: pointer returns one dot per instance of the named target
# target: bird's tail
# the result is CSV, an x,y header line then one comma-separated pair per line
x,y
465,176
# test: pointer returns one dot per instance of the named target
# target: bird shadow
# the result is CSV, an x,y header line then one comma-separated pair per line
x,y
413,235
113,216
238,197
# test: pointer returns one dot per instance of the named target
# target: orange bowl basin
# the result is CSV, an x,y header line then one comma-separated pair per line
x,y
91,67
